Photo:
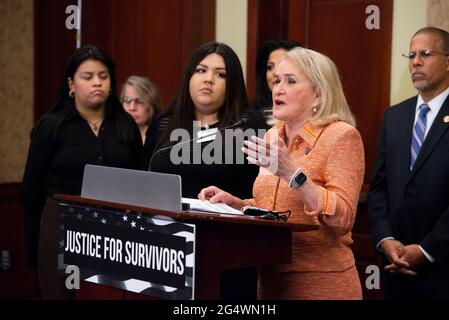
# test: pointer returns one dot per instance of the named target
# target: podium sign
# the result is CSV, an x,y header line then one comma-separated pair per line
x,y
128,250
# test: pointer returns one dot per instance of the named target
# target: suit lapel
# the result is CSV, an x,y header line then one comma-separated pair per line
x,y
437,130
405,129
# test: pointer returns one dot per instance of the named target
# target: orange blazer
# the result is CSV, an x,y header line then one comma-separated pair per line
x,y
333,158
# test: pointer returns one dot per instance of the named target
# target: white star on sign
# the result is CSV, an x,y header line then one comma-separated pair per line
x,y
133,224
103,220
95,214
125,218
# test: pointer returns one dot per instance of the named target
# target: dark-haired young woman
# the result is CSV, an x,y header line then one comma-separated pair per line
x,y
211,97
88,125
268,56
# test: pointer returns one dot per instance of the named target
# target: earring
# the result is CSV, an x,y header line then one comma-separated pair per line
x,y
71,94
314,109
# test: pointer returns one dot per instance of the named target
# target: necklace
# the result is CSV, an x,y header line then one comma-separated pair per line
x,y
94,125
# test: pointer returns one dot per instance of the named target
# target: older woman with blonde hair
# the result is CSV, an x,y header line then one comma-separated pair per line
x,y
142,100
311,163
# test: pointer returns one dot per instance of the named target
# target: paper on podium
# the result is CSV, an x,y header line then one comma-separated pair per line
x,y
206,206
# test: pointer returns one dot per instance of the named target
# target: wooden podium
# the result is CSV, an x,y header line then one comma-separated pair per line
x,y
222,242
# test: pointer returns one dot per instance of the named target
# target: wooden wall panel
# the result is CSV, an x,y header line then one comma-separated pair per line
x,y
267,19
298,21
145,37
150,38
337,29
19,281
142,37
251,47
53,44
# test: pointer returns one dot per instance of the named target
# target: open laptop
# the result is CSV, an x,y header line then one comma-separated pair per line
x,y
140,188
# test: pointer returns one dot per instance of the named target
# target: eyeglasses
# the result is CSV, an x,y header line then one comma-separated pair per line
x,y
129,100
278,216
266,214
423,53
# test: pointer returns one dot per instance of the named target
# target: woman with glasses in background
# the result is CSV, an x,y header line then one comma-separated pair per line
x,y
141,99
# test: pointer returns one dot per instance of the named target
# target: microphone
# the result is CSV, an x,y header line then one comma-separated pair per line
x,y
241,123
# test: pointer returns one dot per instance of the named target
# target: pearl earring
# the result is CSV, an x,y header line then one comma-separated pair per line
x,y
314,109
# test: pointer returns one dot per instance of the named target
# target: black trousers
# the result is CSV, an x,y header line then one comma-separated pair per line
x,y
238,284
403,287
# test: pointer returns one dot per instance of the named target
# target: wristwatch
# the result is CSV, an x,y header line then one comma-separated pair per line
x,y
297,179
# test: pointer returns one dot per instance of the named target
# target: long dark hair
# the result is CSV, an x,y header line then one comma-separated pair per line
x,y
65,105
263,97
182,108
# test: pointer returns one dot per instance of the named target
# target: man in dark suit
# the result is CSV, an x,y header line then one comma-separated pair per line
x,y
409,197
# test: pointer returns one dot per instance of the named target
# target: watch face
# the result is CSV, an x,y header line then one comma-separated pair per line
x,y
300,179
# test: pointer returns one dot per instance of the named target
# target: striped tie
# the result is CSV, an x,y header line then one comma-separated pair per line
x,y
418,133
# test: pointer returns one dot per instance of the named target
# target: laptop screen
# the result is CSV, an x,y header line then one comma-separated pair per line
x,y
140,188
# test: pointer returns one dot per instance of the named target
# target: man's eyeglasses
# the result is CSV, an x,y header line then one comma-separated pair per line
x,y
423,53
129,100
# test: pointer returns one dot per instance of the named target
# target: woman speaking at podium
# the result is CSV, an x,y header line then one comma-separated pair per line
x,y
209,105
88,125
311,163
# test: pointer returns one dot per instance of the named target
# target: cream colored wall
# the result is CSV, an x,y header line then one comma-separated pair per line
x,y
231,26
16,86
438,14
408,17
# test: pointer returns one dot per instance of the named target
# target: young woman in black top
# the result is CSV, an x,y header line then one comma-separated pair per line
x,y
88,125
211,97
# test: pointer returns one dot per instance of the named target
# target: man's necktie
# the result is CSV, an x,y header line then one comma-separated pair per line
x,y
418,133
